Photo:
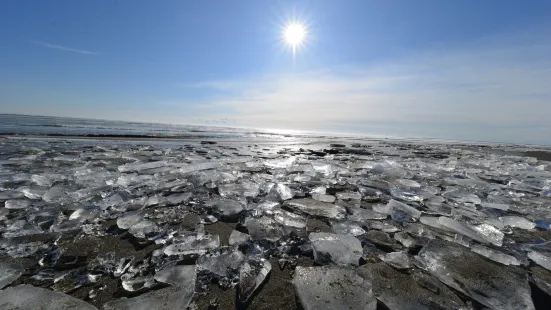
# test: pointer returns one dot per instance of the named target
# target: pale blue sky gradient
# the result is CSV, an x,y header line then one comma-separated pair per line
x,y
474,70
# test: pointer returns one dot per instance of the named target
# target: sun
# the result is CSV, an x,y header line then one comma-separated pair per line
x,y
294,34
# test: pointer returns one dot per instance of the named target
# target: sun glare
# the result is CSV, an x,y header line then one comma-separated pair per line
x,y
294,34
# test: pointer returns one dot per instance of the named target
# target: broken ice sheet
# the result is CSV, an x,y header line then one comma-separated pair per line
x,y
468,231
518,222
129,219
316,208
280,192
323,197
289,219
222,262
337,249
251,276
397,290
245,188
9,272
361,215
192,244
144,229
17,204
461,196
398,260
494,255
30,297
332,288
346,228
540,259
227,208
178,275
349,196
85,214
264,228
395,207
491,284
176,297
237,237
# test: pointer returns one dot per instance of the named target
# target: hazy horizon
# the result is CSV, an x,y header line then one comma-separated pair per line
x,y
469,70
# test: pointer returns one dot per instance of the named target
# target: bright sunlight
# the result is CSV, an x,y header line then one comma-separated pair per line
x,y
294,34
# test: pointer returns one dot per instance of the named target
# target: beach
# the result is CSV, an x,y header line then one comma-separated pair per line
x,y
226,219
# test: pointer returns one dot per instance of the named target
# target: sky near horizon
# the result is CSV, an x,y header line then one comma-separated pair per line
x,y
464,70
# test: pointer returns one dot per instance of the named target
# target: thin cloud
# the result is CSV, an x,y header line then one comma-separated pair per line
x,y
495,91
65,48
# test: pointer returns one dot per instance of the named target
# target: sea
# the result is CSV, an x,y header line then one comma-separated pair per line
x,y
48,126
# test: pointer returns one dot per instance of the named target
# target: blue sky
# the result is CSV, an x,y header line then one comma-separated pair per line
x,y
473,70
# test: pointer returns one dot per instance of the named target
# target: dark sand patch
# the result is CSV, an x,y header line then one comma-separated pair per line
x,y
277,292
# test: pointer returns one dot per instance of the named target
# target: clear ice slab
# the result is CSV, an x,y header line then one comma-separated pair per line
x,y
333,288
491,284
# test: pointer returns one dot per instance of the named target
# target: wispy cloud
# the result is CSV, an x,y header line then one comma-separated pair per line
x,y
488,91
64,48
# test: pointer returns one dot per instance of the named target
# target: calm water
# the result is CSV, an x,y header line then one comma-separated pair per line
x,y
62,126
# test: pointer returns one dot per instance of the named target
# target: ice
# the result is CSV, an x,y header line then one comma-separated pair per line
x,y
384,226
517,221
398,260
540,259
401,291
280,192
463,229
406,239
408,183
393,207
13,194
198,167
54,194
324,198
237,237
222,263
289,219
349,196
180,275
332,288
362,215
251,275
176,297
334,248
386,199
492,234
132,284
41,180
494,255
17,204
9,272
246,189
499,206
316,208
280,163
178,198
21,228
227,208
31,297
84,214
139,166
192,244
461,196
264,228
346,228
488,283
129,219
144,229
33,192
